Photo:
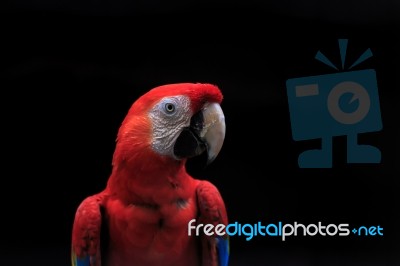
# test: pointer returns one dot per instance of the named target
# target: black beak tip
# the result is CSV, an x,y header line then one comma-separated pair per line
x,y
210,160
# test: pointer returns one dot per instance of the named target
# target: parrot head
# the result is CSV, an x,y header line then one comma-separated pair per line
x,y
172,122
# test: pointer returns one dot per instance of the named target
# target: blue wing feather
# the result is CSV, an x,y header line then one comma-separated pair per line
x,y
223,250
80,261
83,261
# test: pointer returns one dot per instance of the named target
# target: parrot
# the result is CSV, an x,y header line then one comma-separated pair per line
x,y
141,217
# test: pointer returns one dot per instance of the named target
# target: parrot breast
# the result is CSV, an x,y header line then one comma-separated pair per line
x,y
154,234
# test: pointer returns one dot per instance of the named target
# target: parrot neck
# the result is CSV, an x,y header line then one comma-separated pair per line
x,y
148,179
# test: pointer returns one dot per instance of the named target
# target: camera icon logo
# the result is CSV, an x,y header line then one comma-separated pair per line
x,y
338,104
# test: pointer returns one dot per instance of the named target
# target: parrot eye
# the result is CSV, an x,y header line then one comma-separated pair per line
x,y
169,108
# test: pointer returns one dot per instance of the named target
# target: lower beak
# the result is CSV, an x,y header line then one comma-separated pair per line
x,y
206,132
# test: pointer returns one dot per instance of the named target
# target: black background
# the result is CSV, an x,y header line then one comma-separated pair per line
x,y
71,70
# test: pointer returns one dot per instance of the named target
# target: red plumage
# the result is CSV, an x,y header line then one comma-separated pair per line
x,y
143,194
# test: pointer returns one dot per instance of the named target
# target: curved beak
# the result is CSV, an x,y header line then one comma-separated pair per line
x,y
213,132
206,132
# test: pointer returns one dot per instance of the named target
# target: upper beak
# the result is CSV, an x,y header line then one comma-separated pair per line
x,y
213,131
206,132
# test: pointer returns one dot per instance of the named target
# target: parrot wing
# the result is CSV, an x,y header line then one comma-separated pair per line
x,y
215,249
87,233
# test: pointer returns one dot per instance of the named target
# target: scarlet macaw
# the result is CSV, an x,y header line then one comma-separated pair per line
x,y
149,199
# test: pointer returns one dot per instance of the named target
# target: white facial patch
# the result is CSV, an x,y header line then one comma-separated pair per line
x,y
169,117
